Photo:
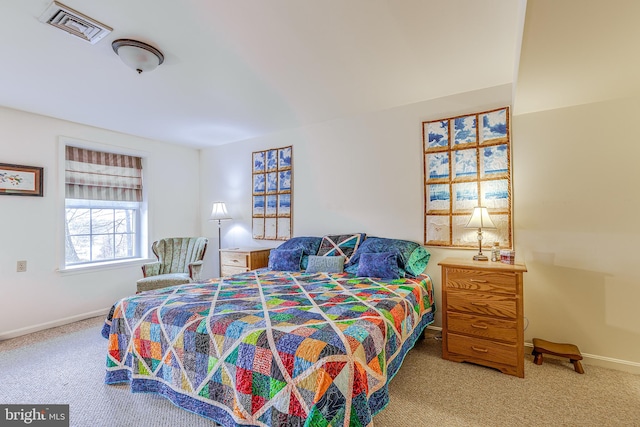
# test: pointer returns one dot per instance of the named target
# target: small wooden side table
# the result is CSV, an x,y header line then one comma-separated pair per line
x,y
240,260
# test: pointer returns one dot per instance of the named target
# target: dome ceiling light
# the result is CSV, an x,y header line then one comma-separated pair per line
x,y
138,55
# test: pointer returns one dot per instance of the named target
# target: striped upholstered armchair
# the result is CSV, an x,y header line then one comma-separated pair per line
x,y
179,261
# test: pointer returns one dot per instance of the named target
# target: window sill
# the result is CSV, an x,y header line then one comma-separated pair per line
x,y
111,265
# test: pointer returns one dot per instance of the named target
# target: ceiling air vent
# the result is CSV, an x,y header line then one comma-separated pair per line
x,y
74,23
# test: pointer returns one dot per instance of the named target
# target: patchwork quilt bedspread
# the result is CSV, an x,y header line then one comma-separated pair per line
x,y
270,348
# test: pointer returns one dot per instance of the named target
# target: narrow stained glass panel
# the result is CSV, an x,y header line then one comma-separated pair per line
x,y
464,236
258,161
438,197
495,160
284,181
272,159
500,233
259,183
465,196
494,125
464,130
270,228
284,204
284,158
258,228
272,182
495,194
438,165
466,165
284,229
258,205
437,134
272,203
438,230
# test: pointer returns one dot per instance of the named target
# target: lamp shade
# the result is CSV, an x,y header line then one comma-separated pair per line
x,y
137,55
219,212
480,219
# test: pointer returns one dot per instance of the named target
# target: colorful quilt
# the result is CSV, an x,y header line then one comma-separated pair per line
x,y
270,348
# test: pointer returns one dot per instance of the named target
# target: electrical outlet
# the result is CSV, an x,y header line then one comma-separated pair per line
x,y
21,267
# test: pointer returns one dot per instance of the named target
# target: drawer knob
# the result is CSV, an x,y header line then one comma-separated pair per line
x,y
480,350
479,304
234,260
478,280
475,325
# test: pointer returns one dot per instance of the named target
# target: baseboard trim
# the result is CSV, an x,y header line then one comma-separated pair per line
x,y
588,359
47,325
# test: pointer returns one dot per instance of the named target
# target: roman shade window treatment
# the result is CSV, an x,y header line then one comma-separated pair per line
x,y
96,175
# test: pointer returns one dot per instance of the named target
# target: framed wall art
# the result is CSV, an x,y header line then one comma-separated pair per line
x,y
467,163
19,180
272,181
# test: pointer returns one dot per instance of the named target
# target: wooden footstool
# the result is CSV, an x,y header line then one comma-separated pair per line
x,y
569,351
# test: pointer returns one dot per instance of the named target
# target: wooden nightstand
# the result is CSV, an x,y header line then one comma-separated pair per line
x,y
239,260
483,316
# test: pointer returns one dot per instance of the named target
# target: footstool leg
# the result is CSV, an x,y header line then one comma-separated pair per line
x,y
577,366
537,358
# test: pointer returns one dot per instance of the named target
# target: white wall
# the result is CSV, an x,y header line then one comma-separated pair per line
x,y
29,226
359,174
576,214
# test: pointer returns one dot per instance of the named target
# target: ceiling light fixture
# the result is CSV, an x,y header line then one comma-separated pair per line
x,y
137,55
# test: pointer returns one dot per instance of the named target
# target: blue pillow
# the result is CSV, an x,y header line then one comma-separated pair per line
x,y
309,245
412,257
285,259
380,264
325,264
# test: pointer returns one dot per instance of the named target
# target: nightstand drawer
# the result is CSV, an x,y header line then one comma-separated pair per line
x,y
487,304
231,270
483,327
486,281
234,259
484,350
240,260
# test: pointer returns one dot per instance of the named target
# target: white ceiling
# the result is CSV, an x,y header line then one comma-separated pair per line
x,y
237,69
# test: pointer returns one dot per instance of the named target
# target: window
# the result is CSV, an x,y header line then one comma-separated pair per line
x,y
103,206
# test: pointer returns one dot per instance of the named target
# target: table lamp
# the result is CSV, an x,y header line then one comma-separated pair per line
x,y
480,219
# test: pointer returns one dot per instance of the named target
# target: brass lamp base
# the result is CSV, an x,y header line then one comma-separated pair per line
x,y
480,257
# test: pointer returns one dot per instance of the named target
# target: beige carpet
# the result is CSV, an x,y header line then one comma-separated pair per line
x,y
428,391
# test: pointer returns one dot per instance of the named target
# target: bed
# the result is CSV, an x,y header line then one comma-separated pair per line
x,y
271,348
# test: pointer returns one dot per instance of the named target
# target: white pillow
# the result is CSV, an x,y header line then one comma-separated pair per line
x,y
325,264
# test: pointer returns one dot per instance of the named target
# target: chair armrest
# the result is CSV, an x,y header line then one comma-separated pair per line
x,y
194,270
151,269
